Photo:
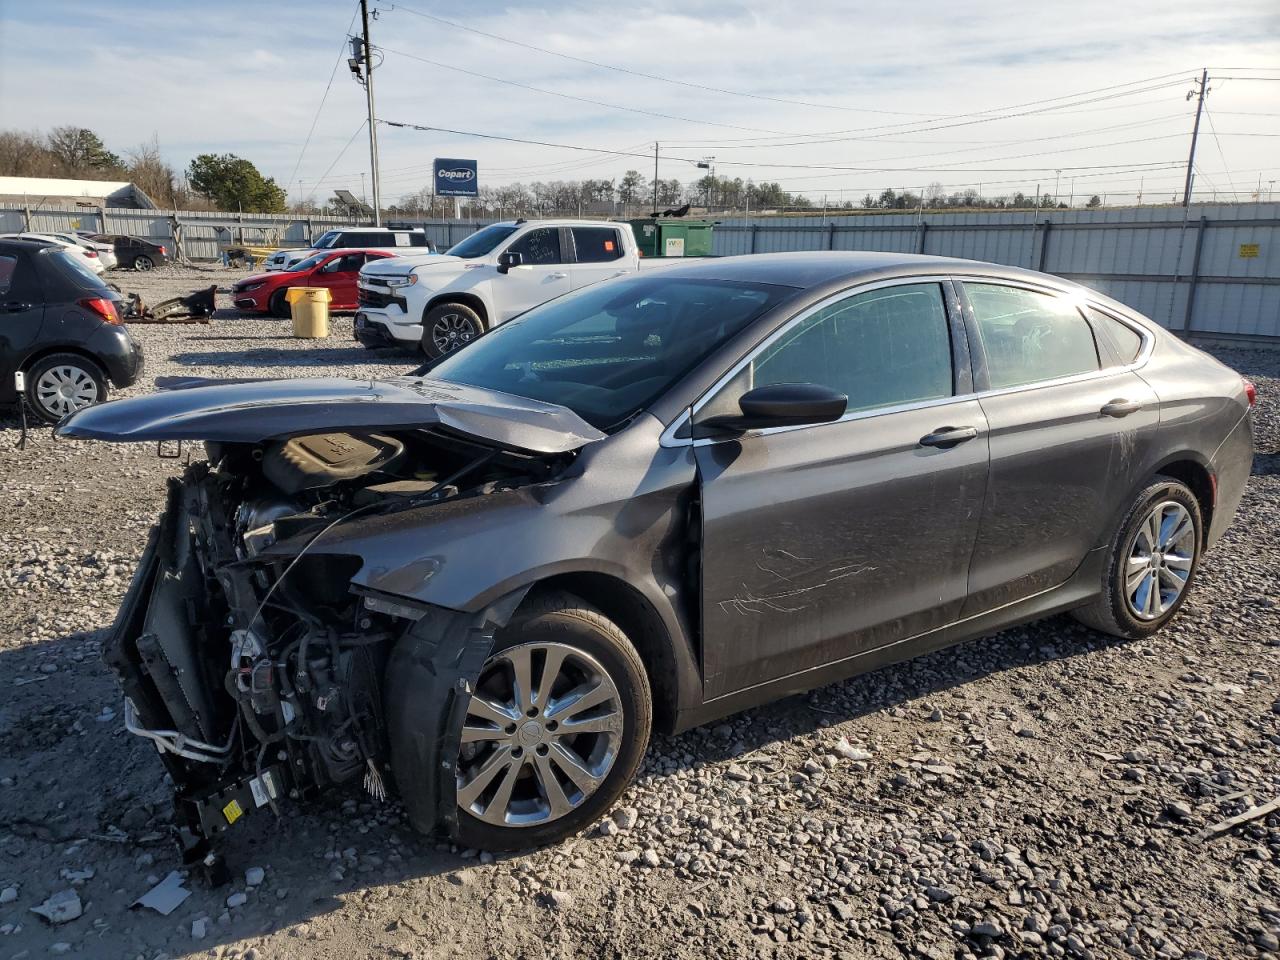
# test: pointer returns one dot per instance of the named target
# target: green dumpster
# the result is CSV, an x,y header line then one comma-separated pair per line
x,y
663,237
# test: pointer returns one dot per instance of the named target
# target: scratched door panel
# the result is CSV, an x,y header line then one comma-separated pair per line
x,y
1059,469
823,542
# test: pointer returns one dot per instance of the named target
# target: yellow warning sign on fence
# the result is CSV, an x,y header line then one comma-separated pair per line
x,y
1249,251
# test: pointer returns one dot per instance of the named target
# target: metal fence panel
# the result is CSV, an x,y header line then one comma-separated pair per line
x,y
1221,259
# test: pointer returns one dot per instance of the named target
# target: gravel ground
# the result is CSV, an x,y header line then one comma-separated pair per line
x,y
1039,792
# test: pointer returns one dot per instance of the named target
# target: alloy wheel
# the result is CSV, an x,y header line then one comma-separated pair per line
x,y
65,388
542,731
1160,560
143,263
451,331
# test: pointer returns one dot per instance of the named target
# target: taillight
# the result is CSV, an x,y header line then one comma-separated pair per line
x,y
163,252
1250,391
91,253
103,307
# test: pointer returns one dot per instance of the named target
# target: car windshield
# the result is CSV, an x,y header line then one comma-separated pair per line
x,y
326,240
482,241
304,265
610,350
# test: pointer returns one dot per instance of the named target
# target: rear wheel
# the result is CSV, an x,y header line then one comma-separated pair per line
x,y
63,383
143,262
447,327
1152,563
556,728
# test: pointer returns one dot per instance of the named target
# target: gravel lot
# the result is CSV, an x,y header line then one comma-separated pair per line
x,y
1039,792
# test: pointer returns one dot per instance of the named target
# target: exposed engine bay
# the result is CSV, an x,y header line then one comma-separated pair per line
x,y
246,655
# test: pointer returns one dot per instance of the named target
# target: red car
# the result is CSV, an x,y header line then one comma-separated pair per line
x,y
264,293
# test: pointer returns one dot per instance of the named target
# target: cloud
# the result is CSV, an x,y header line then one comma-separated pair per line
x,y
233,78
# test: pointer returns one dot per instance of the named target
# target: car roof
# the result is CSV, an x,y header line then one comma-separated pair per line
x,y
807,269
29,243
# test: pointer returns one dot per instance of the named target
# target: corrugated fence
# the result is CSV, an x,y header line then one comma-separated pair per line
x,y
1213,270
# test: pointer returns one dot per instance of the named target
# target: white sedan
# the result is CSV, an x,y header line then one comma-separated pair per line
x,y
91,257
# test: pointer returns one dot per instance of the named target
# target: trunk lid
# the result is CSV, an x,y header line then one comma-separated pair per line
x,y
257,411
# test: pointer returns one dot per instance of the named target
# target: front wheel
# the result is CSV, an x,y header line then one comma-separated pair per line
x,y
447,327
1152,562
555,730
278,306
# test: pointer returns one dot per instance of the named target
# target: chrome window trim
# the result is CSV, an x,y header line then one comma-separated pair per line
x,y
669,439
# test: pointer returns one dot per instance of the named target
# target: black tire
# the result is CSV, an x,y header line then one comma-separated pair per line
x,y
78,373
567,621
142,262
277,306
1114,610
447,326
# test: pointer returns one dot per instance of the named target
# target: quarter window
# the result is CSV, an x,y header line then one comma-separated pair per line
x,y
1029,336
539,246
8,265
596,244
1125,341
882,348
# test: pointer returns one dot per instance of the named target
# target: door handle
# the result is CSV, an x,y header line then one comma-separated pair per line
x,y
947,437
1120,408
557,276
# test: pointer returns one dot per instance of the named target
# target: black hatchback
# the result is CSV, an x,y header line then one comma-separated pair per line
x,y
62,336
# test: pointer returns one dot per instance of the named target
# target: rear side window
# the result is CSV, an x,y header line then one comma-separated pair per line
x,y
1126,342
1029,336
596,244
882,348
417,239
539,246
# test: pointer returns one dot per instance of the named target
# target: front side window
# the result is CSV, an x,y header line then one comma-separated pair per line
x,y
327,240
1029,336
540,246
881,348
596,244
610,349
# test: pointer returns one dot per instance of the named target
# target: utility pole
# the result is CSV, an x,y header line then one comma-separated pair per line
x,y
655,178
1199,94
367,52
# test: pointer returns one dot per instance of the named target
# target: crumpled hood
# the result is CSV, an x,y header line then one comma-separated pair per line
x,y
257,411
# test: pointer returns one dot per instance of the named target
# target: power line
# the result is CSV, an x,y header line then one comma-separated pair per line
x,y
570,96
324,176
743,163
739,93
1208,114
314,120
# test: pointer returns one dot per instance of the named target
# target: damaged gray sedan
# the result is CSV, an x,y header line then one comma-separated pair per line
x,y
645,505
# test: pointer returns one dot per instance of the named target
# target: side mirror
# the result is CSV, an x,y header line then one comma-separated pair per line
x,y
780,405
508,260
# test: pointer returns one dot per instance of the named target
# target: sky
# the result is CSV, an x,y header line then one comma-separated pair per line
x,y
830,99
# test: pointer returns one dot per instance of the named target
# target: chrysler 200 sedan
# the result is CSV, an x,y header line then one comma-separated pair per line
x,y
647,504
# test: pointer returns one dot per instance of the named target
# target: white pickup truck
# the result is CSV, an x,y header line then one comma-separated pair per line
x,y
441,302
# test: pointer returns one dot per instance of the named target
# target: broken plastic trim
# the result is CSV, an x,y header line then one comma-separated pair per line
x,y
171,741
